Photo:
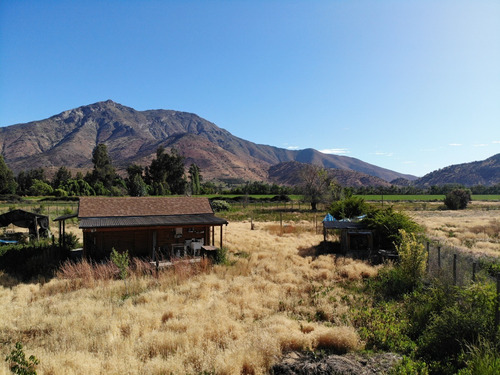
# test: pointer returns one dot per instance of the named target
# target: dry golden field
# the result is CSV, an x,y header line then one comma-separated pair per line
x,y
226,319
474,230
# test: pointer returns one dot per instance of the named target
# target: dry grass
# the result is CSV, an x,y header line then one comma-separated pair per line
x,y
474,230
236,319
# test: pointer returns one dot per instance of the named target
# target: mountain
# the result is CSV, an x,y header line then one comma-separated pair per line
x,y
131,136
485,172
288,173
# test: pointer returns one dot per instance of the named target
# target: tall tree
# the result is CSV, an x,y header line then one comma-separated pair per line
x,y
61,177
25,179
135,182
194,179
8,184
315,184
165,174
103,172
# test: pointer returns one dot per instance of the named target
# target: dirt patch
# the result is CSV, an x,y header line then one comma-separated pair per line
x,y
349,364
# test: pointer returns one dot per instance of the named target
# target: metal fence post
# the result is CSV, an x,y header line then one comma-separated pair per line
x,y
439,257
454,269
428,256
474,272
497,307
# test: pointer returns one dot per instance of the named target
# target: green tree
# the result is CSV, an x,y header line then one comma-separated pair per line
x,y
26,178
103,171
8,184
76,187
457,199
136,186
194,179
62,176
165,174
40,188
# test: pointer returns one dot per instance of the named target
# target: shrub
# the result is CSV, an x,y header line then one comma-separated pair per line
x,y
122,261
18,363
387,225
60,193
408,366
220,205
349,207
412,257
483,359
464,321
457,199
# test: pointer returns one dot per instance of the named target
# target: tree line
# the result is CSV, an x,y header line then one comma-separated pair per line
x,y
164,176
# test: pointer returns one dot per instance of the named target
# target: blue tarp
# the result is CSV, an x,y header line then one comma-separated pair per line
x,y
329,217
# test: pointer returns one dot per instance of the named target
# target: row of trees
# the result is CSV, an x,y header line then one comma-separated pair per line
x,y
165,175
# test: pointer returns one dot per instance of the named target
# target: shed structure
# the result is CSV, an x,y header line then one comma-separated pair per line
x,y
148,227
37,224
354,236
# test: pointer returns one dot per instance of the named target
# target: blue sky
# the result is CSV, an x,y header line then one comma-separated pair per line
x,y
412,86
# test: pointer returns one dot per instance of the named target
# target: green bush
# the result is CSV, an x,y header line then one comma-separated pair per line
x,y
482,359
220,205
122,261
412,257
464,321
457,199
18,363
221,256
387,224
408,366
348,208
383,327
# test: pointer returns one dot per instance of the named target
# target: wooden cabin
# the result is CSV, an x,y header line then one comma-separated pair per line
x,y
148,227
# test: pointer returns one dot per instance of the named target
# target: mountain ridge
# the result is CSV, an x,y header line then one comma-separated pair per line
x,y
68,138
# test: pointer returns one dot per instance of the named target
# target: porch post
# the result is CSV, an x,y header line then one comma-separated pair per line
x,y
221,236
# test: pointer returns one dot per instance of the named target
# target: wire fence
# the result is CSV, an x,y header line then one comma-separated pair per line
x,y
452,266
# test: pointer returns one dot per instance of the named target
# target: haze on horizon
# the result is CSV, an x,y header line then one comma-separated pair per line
x,y
410,86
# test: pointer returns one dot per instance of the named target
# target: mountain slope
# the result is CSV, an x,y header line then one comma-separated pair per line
x,y
288,173
131,136
484,172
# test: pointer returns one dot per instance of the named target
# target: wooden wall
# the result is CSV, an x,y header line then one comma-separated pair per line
x,y
98,243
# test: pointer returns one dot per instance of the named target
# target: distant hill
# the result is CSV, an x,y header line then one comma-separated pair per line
x,y
288,173
485,172
131,136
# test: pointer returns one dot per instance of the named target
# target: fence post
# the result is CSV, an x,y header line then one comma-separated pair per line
x,y
497,307
474,272
454,269
428,255
439,257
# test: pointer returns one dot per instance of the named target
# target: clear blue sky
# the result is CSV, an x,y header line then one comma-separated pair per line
x,y
412,86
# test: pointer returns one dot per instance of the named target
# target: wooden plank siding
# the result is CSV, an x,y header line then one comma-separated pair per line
x,y
98,243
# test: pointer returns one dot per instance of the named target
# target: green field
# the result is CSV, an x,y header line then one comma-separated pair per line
x,y
424,197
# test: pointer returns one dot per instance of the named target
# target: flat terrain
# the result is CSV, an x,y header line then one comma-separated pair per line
x,y
233,319
474,230
273,295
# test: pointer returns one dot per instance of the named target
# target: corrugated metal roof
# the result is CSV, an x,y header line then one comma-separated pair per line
x,y
143,221
343,225
141,206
